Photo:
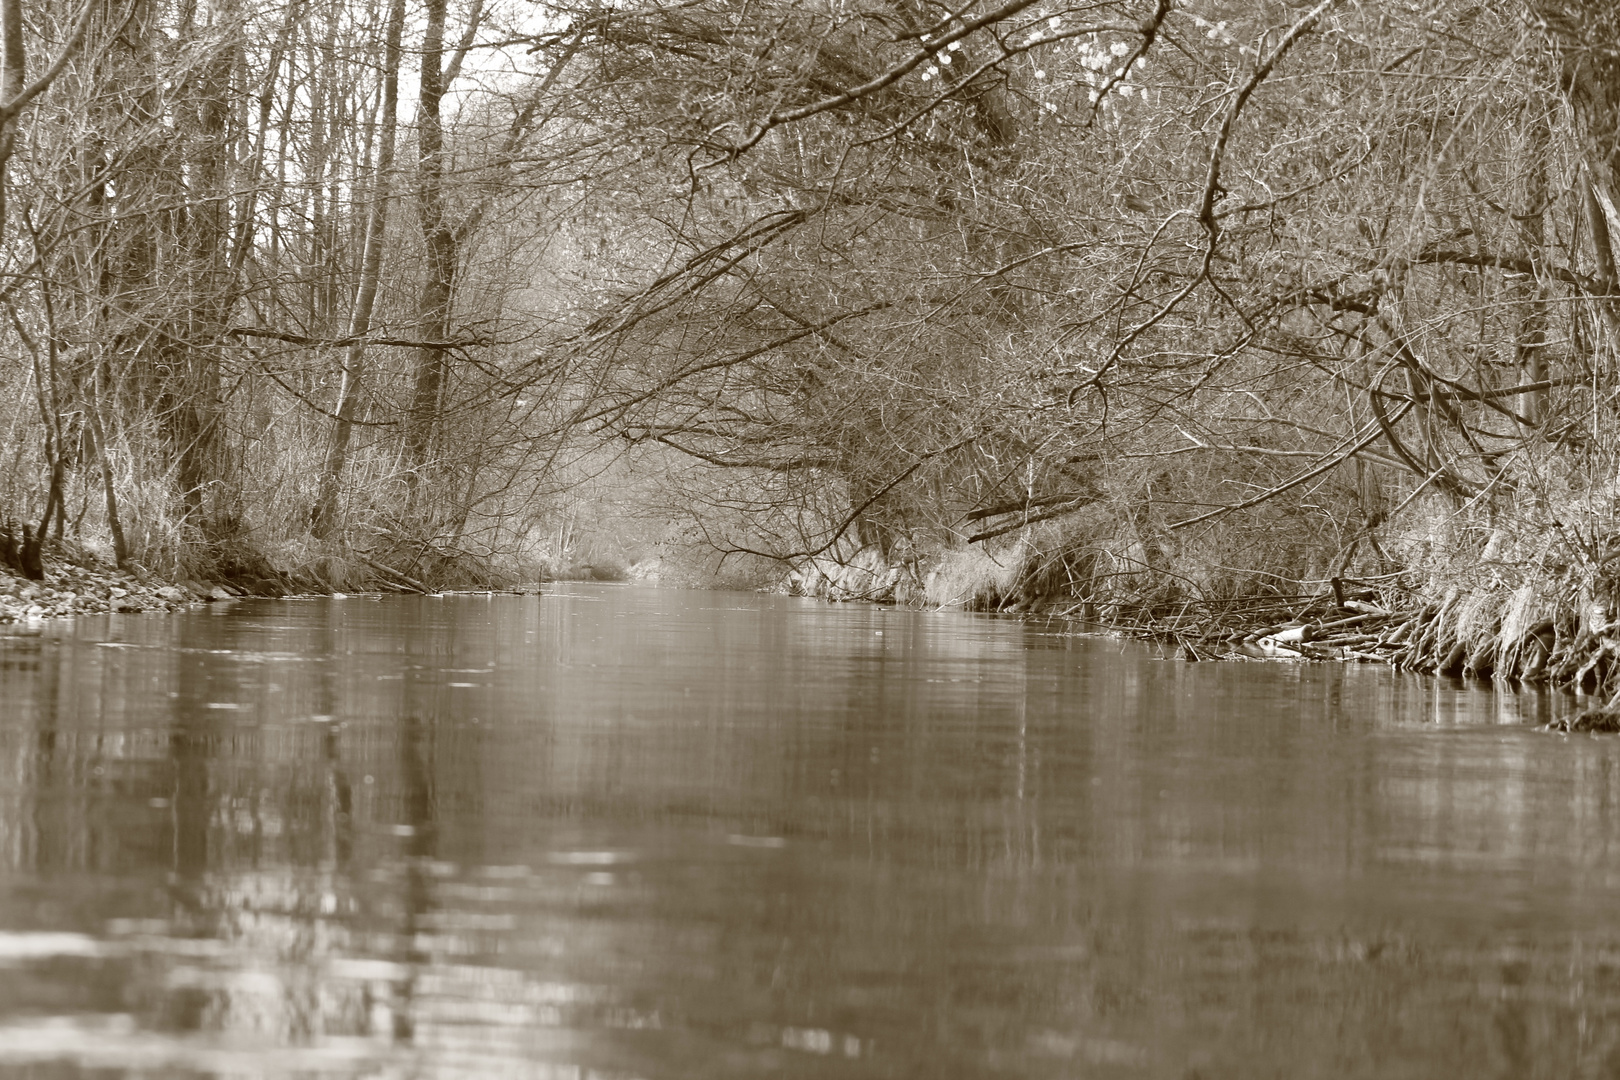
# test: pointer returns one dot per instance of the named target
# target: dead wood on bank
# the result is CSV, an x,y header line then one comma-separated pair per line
x,y
1560,639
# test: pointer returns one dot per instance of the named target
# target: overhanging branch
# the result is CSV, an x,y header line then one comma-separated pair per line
x,y
352,339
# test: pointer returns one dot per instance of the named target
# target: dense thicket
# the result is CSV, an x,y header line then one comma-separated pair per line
x,y
1142,303
1147,302
230,325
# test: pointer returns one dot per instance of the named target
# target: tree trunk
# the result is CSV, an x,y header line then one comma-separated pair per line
x,y
433,307
98,447
13,69
199,328
324,518
1583,32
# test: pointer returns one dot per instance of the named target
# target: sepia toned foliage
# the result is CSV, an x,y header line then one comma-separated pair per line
x,y
1144,303
1181,297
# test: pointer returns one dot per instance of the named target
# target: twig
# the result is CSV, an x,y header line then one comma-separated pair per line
x,y
1300,478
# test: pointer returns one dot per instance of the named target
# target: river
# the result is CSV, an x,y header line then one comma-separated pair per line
x,y
615,832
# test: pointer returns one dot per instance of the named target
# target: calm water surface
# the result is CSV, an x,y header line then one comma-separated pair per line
x,y
616,832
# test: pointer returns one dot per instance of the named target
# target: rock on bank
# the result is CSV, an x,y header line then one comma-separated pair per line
x,y
76,590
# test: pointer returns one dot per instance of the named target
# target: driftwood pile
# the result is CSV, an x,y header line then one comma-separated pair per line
x,y
1522,635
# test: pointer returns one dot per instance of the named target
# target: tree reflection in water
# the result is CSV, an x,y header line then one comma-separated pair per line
x,y
617,832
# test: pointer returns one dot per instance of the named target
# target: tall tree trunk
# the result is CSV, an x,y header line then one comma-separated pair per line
x,y
441,240
324,517
204,460
1583,32
433,307
13,70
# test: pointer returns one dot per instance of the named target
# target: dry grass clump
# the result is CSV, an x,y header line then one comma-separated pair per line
x,y
975,578
1522,589
1120,562
864,575
1521,583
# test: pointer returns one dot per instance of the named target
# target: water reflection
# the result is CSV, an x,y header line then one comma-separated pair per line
x,y
617,832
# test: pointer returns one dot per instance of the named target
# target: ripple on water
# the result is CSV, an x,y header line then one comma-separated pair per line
x,y
729,836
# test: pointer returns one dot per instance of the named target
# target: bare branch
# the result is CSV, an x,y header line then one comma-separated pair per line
x,y
352,339
1337,458
10,109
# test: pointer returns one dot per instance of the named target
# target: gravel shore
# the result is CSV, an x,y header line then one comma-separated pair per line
x,y
77,590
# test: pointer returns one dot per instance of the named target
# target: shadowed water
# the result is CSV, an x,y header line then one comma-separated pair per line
x,y
616,832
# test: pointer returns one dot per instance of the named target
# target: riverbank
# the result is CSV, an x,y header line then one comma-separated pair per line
x,y
1521,638
1526,626
69,589
87,586
1525,635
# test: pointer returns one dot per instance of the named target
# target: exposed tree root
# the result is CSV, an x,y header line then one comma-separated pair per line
x,y
1556,635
